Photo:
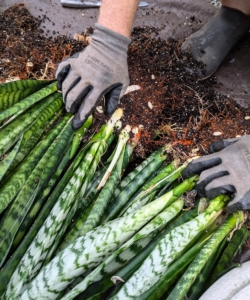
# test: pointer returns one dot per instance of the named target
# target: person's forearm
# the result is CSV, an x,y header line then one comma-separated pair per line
x,y
118,15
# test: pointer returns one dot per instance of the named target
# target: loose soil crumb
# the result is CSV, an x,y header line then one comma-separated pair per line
x,y
172,106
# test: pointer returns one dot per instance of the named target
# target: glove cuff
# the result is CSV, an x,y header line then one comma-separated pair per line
x,y
111,38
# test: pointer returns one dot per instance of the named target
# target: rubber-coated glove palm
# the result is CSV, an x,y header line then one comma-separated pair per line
x,y
100,69
226,171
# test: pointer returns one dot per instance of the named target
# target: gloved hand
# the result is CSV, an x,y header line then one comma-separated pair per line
x,y
225,172
100,69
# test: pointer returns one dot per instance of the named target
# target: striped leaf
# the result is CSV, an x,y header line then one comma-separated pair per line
x,y
12,92
28,101
130,267
159,289
60,235
12,132
41,199
155,224
82,226
188,278
101,202
33,134
166,251
37,252
15,183
38,177
34,257
89,250
84,202
7,161
12,263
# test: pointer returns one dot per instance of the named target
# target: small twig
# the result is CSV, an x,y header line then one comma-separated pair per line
x,y
198,96
45,71
203,148
177,58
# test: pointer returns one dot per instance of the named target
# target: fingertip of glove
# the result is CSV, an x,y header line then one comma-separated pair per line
x,y
187,173
112,99
234,207
216,146
221,190
62,72
77,123
200,165
193,168
59,86
239,204
220,145
110,108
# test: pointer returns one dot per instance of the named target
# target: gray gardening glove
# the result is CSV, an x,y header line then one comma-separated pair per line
x,y
225,172
100,69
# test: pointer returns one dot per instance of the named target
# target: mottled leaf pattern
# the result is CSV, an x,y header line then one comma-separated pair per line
x,y
13,130
12,92
185,282
14,184
40,174
29,101
8,160
160,220
34,257
162,255
39,202
82,226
